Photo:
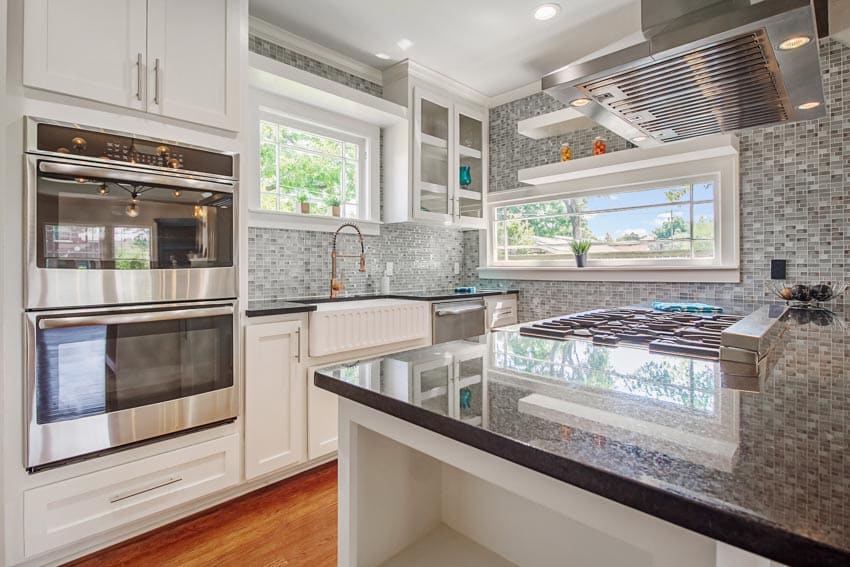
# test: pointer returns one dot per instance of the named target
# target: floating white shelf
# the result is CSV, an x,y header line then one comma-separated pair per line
x,y
434,188
469,152
284,80
445,546
554,124
434,141
706,147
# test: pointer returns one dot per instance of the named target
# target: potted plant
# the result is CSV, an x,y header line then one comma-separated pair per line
x,y
303,198
333,202
580,248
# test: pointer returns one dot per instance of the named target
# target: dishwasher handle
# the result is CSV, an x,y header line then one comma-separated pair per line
x,y
457,310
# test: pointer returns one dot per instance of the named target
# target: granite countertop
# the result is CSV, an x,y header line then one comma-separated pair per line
x,y
760,463
265,307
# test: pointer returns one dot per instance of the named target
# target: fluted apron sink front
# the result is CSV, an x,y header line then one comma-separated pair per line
x,y
355,325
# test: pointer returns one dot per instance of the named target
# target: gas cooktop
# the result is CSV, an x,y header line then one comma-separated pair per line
x,y
688,334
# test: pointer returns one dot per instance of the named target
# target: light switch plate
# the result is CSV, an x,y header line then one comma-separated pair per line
x,y
457,268
389,270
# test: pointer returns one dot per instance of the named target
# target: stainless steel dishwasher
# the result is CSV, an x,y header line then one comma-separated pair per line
x,y
461,319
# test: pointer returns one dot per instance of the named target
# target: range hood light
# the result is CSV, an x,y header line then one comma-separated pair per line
x,y
794,42
809,105
580,102
639,139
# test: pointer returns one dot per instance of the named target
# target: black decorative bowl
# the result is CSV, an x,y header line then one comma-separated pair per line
x,y
805,296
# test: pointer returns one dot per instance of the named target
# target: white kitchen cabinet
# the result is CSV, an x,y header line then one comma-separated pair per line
x,y
92,49
502,310
64,512
423,160
275,397
174,58
193,60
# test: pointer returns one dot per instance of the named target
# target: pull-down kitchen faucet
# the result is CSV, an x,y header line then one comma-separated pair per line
x,y
336,283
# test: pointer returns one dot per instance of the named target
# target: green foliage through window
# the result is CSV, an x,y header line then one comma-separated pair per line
x,y
295,162
676,222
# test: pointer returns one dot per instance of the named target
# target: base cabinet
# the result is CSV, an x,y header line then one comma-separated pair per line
x,y
502,310
275,398
71,510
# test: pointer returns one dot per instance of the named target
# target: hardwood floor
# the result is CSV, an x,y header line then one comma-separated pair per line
x,y
290,523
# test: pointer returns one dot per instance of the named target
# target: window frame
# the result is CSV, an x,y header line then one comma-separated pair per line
x,y
725,267
266,106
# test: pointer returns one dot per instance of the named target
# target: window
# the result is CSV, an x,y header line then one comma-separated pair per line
x,y
666,224
299,161
132,247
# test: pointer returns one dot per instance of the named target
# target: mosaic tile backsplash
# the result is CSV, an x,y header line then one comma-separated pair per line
x,y
794,201
279,53
297,263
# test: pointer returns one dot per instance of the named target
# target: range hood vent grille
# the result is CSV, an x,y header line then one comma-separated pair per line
x,y
717,88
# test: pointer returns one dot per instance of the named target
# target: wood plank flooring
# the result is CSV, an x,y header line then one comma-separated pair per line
x,y
291,523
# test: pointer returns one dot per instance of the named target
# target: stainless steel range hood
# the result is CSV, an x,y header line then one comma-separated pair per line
x,y
706,66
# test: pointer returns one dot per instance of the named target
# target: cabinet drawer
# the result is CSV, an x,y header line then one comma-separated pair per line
x,y
501,311
74,509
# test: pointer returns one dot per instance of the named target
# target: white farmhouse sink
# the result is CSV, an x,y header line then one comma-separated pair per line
x,y
343,326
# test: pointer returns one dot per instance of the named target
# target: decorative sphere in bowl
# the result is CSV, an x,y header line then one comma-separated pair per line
x,y
821,292
801,293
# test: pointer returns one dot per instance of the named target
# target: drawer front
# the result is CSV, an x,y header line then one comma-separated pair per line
x,y
502,312
71,510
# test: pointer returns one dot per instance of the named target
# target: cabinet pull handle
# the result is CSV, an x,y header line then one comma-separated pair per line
x,y
124,496
298,355
156,81
139,76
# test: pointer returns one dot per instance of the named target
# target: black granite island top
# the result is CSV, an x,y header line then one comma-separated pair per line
x,y
265,307
762,464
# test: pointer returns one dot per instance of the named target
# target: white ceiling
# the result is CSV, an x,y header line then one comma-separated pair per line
x,y
493,46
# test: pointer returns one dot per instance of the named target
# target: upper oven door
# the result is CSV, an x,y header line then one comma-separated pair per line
x,y
103,234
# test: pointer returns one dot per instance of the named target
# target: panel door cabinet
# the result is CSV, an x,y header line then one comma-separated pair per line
x,y
275,398
436,165
174,58
502,310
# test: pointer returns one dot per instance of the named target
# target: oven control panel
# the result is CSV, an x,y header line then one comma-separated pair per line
x,y
103,145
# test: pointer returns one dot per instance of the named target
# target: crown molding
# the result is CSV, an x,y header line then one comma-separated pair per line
x,y
514,94
280,36
411,68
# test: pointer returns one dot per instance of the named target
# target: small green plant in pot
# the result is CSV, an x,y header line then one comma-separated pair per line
x,y
304,199
580,249
333,202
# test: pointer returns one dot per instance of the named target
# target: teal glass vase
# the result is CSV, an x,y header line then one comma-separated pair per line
x,y
465,176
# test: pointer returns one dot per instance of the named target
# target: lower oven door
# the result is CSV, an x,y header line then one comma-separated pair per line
x,y
100,379
458,320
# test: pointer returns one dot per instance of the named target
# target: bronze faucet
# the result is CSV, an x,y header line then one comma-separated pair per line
x,y
336,283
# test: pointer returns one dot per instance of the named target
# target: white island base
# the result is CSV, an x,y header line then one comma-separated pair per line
x,y
411,497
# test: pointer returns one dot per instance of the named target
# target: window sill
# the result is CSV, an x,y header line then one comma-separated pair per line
x,y
676,274
317,223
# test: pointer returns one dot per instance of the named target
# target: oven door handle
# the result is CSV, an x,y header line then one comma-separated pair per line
x,y
133,176
125,318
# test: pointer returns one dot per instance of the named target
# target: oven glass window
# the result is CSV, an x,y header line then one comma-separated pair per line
x,y
88,224
98,369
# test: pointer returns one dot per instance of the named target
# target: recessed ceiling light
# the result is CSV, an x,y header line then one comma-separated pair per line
x,y
638,139
404,44
809,105
580,102
382,56
794,42
546,12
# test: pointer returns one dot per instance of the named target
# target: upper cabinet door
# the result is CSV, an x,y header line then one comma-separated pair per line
x,y
470,179
193,60
92,49
432,157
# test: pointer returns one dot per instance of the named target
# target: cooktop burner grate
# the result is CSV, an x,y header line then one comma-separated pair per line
x,y
686,334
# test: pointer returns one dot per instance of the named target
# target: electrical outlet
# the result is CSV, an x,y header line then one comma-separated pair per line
x,y
457,268
389,270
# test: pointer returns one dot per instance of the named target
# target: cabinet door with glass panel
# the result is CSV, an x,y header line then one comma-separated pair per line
x,y
432,157
469,182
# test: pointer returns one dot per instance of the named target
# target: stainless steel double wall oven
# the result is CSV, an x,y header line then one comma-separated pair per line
x,y
130,290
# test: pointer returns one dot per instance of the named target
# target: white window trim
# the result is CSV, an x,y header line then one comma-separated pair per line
x,y
725,268
274,108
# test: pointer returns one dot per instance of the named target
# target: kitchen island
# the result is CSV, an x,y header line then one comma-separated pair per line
x,y
509,449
